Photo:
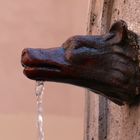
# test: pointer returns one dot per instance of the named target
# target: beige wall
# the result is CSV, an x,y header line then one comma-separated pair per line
x,y
38,23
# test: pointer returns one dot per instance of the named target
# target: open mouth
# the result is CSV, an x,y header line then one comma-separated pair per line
x,y
47,67
41,72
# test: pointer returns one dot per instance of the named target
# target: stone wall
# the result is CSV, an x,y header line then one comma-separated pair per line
x,y
104,119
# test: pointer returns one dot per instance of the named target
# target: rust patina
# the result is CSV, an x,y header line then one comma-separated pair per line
x,y
106,64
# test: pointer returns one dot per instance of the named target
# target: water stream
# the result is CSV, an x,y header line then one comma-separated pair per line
x,y
39,93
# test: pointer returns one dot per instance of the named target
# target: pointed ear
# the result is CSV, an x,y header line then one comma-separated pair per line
x,y
118,32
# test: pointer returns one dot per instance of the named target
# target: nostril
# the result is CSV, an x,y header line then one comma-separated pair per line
x,y
25,57
24,52
30,57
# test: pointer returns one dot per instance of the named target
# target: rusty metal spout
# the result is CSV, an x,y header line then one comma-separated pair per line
x,y
106,64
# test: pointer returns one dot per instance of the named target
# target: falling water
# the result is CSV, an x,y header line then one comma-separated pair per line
x,y
39,93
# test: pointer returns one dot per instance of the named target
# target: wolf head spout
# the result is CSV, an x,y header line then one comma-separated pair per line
x,y
106,64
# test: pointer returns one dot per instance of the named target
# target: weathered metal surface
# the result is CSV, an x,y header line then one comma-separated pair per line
x,y
106,64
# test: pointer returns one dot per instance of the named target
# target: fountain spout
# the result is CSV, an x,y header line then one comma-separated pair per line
x,y
106,64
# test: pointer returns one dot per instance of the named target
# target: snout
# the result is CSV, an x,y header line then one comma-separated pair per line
x,y
43,64
42,57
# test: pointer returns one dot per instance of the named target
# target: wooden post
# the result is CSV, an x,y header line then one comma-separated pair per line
x,y
105,120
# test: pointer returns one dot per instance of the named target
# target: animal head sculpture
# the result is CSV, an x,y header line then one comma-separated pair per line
x,y
106,64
